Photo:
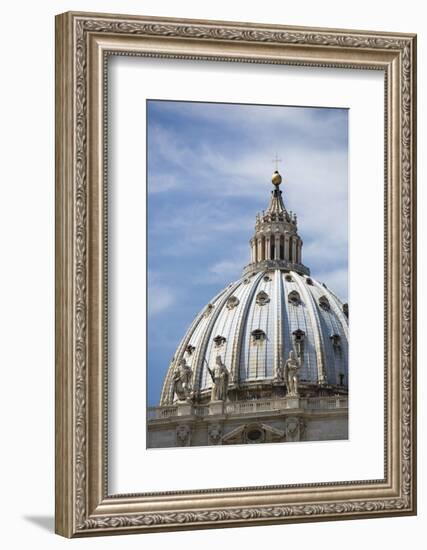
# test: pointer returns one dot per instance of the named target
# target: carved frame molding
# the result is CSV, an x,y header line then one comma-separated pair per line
x,y
83,43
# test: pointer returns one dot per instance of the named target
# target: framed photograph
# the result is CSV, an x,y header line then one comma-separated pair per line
x,y
235,274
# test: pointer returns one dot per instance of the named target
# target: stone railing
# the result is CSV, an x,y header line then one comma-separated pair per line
x,y
162,412
231,408
265,265
322,403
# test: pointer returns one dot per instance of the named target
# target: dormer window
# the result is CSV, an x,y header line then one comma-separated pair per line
x,y
190,349
294,298
258,336
324,303
299,337
288,278
309,281
345,310
262,298
266,278
219,341
232,302
336,341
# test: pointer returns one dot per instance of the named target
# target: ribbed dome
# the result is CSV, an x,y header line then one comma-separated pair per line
x,y
256,321
253,324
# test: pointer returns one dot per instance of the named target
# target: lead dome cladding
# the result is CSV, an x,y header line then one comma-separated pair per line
x,y
275,307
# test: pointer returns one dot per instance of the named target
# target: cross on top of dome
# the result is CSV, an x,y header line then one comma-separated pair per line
x,y
276,160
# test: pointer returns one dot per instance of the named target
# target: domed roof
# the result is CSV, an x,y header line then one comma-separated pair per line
x,y
259,319
275,308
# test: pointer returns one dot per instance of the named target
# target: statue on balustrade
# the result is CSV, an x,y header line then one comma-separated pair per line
x,y
182,386
292,366
220,378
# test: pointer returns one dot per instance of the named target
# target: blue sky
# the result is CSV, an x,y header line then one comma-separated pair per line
x,y
209,173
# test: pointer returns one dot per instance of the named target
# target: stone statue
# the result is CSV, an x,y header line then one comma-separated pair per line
x,y
182,381
292,366
220,377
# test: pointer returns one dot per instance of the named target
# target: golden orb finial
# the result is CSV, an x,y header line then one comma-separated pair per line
x,y
276,178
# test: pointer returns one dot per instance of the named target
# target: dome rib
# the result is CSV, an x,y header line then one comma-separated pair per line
x,y
238,338
278,336
165,397
201,352
339,312
230,360
315,324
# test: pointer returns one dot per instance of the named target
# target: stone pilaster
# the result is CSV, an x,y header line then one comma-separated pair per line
x,y
216,407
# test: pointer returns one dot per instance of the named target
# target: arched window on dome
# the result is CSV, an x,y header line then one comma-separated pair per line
x,y
294,298
232,302
336,341
299,338
190,349
262,298
324,303
345,310
219,341
258,336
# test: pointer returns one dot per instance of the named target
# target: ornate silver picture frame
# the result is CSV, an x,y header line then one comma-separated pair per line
x,y
84,43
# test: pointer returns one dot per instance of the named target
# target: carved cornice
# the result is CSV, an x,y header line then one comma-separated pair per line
x,y
266,513
238,33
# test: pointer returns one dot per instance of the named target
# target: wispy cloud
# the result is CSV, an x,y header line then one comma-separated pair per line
x,y
160,298
337,281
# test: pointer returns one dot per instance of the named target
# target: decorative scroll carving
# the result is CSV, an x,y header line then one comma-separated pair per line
x,y
183,435
294,428
215,434
268,513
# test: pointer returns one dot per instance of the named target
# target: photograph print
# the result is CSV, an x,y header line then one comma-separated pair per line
x,y
247,277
